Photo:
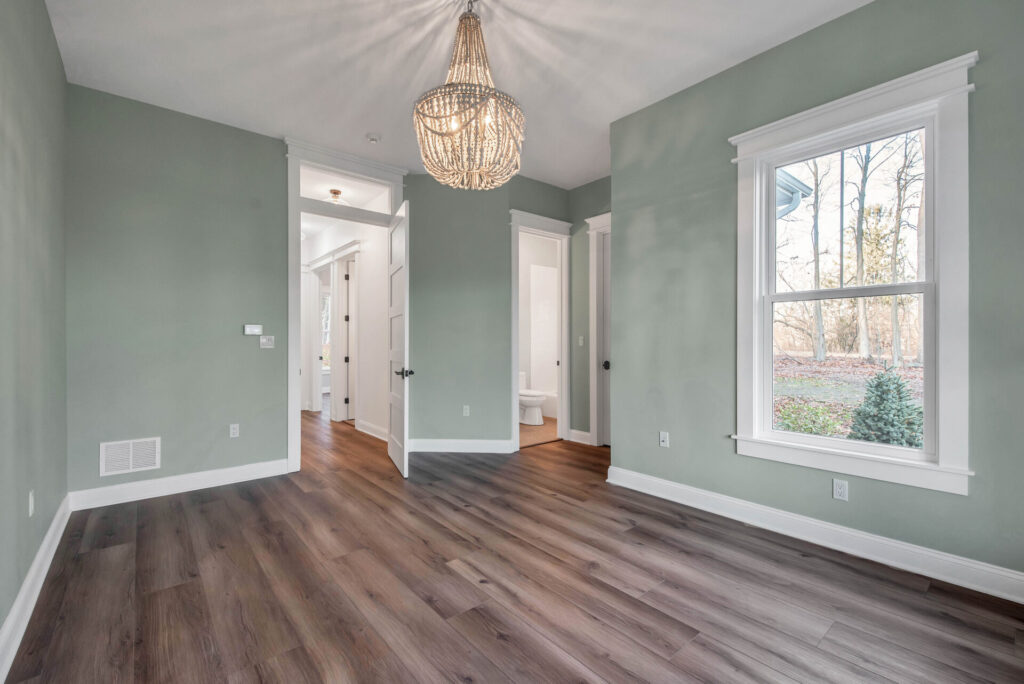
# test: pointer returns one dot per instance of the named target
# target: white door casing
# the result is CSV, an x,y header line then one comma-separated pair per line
x,y
398,339
532,224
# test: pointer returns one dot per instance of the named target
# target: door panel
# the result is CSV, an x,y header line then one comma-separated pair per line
x,y
398,339
604,412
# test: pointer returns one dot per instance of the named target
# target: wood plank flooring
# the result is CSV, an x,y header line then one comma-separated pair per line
x,y
532,435
482,568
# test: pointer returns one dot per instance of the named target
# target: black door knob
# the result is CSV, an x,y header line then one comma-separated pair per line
x,y
606,365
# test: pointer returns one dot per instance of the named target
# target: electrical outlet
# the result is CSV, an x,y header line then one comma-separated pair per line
x,y
840,490
266,341
663,439
233,430
31,502
465,410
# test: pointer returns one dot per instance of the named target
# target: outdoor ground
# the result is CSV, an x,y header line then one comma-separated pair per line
x,y
819,397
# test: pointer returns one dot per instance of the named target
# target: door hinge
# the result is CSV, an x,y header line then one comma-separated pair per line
x,y
346,400
346,359
346,276
346,317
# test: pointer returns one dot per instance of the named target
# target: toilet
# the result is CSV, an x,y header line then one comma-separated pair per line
x,y
530,402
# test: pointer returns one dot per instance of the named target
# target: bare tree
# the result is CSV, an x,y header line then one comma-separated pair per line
x,y
867,162
818,175
908,175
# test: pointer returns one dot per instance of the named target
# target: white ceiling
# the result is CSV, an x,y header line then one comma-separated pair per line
x,y
330,71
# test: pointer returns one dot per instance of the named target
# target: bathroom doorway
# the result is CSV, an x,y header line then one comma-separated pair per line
x,y
540,336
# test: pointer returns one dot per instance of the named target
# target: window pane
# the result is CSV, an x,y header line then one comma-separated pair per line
x,y
840,371
853,217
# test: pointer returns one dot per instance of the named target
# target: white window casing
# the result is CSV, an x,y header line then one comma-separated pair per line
x,y
935,99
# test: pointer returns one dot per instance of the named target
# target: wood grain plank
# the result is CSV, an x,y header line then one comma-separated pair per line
x,y
109,526
522,653
94,639
713,661
163,553
604,650
427,645
175,637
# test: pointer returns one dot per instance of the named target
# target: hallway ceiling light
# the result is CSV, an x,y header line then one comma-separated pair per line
x,y
336,197
470,134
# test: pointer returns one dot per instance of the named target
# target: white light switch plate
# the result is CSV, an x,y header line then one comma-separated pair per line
x,y
252,329
266,341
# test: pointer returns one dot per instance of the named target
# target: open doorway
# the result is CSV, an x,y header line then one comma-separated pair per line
x,y
344,290
540,329
344,322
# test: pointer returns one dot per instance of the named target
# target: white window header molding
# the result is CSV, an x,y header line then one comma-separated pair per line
x,y
921,88
524,219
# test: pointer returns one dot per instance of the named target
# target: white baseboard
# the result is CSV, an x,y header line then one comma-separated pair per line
x,y
17,619
581,437
173,484
463,446
965,572
371,429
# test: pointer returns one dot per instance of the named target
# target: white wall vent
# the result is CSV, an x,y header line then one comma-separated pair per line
x,y
129,456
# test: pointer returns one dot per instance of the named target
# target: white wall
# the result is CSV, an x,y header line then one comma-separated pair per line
x,y
370,358
535,251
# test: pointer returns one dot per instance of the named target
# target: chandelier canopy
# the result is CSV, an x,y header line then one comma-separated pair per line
x,y
470,134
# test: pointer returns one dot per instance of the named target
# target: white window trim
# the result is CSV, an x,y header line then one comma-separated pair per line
x,y
935,98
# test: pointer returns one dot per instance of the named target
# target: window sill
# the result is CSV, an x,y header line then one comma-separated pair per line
x,y
913,474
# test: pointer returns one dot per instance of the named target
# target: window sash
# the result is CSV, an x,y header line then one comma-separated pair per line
x,y
768,296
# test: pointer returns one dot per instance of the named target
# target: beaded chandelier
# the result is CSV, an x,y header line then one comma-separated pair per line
x,y
470,134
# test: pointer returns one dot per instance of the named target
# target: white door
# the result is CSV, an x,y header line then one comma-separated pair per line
x,y
604,411
398,339
341,400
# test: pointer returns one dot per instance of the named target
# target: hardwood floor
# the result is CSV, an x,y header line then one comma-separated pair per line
x,y
481,568
532,435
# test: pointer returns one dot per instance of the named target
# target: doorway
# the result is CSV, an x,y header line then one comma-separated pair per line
x,y
344,290
540,318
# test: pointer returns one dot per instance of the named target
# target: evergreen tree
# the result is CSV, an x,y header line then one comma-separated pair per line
x,y
887,413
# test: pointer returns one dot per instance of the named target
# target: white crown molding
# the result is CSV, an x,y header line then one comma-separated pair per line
x,y
371,429
524,219
581,437
602,223
965,572
462,446
173,484
318,154
20,613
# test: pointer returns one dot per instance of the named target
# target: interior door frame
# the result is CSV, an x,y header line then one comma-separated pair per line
x,y
596,227
532,224
302,153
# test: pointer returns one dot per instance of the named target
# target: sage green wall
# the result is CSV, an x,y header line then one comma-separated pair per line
x,y
674,272
176,236
33,421
460,313
586,201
